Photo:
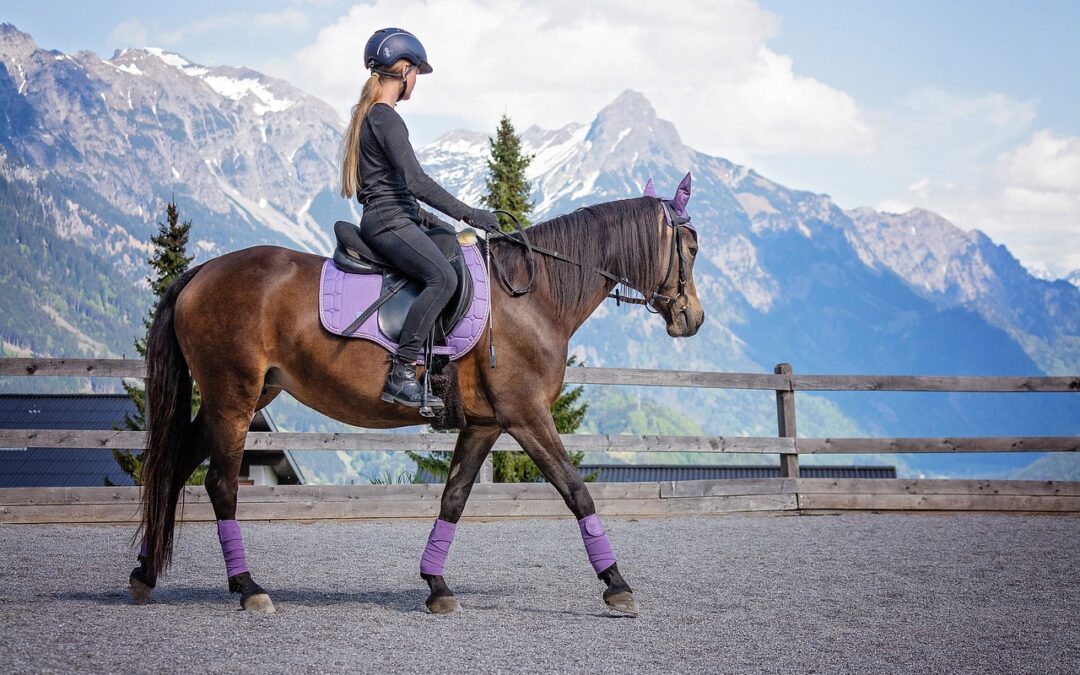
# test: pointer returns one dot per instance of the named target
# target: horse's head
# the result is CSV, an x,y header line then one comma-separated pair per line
x,y
676,297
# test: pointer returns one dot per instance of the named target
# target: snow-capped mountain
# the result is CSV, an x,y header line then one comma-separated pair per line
x,y
91,149
251,153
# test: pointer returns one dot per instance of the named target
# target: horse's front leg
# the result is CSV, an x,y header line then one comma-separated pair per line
x,y
537,435
473,446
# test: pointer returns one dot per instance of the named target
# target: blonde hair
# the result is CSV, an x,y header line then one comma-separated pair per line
x,y
350,144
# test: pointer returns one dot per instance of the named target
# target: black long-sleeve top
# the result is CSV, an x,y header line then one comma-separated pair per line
x,y
389,168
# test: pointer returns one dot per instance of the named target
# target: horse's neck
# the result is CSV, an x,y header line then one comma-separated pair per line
x,y
595,292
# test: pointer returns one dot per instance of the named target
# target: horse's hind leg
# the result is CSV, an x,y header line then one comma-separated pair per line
x,y
473,446
537,435
142,581
223,431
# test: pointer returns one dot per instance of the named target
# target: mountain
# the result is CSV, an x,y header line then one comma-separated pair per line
x,y
955,268
787,275
92,149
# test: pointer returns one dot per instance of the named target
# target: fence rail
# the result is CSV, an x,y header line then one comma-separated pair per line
x,y
782,381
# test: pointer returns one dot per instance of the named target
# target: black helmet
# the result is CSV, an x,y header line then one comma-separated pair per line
x,y
386,46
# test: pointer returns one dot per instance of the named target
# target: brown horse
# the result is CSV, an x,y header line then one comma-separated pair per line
x,y
245,326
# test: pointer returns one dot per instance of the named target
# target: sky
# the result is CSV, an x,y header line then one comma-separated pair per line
x,y
967,108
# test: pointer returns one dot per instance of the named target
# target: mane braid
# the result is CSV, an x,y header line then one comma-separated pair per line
x,y
620,237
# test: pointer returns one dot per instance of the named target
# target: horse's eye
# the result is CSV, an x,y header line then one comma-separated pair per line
x,y
693,250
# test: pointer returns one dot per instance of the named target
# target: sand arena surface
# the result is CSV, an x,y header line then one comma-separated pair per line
x,y
863,592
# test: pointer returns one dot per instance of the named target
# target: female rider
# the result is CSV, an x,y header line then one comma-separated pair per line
x,y
380,168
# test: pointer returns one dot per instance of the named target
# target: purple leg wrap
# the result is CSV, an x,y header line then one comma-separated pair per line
x,y
438,547
142,548
596,543
232,547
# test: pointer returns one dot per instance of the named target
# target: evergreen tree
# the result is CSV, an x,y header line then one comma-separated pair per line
x,y
509,190
168,261
507,187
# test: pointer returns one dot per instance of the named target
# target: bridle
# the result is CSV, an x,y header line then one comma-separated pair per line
x,y
677,221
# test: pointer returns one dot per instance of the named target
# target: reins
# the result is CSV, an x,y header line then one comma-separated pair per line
x,y
531,250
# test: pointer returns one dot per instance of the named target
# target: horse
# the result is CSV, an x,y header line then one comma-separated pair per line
x,y
244,327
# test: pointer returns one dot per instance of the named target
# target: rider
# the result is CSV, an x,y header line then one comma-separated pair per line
x,y
380,168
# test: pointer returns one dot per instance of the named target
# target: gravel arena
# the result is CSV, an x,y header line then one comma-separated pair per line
x,y
861,592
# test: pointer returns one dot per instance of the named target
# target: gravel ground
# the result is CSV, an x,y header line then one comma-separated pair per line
x,y
742,593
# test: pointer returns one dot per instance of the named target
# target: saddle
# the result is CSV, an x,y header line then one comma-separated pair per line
x,y
398,291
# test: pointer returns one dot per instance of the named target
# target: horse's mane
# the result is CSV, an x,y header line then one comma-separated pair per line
x,y
620,237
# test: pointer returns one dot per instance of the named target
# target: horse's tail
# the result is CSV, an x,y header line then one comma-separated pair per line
x,y
168,427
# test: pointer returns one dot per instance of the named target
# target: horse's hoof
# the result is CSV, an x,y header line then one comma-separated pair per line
x,y
258,603
140,592
444,604
622,602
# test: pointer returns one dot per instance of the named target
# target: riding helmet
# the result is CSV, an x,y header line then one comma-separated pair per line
x,y
386,46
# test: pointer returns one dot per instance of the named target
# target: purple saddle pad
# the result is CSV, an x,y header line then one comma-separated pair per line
x,y
343,297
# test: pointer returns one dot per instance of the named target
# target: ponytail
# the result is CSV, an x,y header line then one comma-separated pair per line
x,y
351,180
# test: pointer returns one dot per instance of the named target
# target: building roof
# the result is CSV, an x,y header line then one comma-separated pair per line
x,y
74,467
625,473
62,467
647,473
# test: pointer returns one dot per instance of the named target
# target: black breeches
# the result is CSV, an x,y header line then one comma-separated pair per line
x,y
392,231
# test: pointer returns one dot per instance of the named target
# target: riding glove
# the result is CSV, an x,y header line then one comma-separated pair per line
x,y
485,220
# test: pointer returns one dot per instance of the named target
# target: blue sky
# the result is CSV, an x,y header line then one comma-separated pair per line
x,y
967,108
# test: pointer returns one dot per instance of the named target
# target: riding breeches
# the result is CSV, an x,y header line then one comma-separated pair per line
x,y
391,228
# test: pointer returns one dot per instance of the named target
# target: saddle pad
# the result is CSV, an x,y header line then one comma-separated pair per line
x,y
343,297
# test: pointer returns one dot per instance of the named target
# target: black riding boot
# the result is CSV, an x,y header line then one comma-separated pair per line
x,y
402,387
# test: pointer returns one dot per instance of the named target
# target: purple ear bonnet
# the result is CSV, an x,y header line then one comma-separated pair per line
x,y
682,195
678,202
650,191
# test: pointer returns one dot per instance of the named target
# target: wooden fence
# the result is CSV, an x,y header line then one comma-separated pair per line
x,y
789,493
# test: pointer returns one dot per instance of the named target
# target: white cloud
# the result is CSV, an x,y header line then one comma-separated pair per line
x,y
704,65
129,32
1027,198
235,23
1046,162
285,18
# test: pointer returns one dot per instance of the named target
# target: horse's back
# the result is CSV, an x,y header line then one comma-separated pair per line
x,y
255,290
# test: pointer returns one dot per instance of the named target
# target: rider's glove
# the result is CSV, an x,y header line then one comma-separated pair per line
x,y
485,220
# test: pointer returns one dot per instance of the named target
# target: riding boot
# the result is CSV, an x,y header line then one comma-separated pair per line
x,y
402,387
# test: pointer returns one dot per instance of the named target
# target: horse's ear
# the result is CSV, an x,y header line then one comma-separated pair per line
x,y
682,195
650,191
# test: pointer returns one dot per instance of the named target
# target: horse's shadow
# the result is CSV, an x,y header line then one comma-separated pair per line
x,y
401,600
406,601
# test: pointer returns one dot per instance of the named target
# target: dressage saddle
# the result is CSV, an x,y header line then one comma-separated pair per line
x,y
399,290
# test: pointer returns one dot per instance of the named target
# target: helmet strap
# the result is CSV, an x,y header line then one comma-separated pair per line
x,y
403,76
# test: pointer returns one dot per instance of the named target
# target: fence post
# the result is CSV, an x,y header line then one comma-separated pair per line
x,y
785,418
487,470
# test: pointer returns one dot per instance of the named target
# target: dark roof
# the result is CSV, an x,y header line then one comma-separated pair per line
x,y
61,467
80,467
647,473
626,473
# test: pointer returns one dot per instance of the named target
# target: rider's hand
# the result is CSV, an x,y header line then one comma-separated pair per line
x,y
485,220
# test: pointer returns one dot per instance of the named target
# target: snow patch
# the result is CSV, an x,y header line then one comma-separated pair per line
x,y
754,204
586,185
312,239
237,90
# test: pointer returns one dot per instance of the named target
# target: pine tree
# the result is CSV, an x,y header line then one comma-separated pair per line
x,y
168,261
509,190
507,187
